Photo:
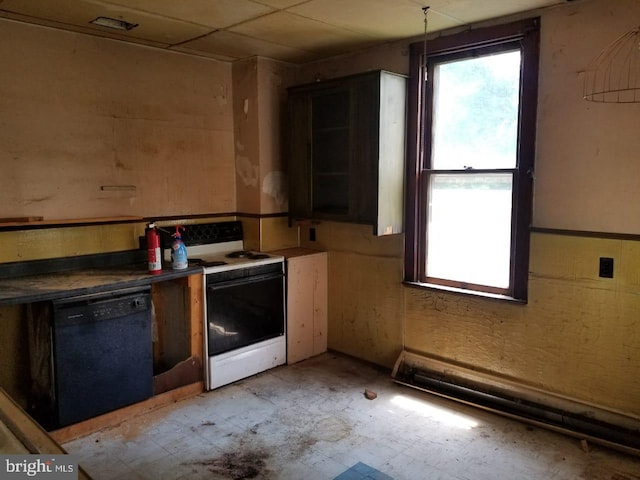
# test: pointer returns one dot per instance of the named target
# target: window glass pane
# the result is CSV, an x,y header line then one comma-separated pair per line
x,y
469,229
475,112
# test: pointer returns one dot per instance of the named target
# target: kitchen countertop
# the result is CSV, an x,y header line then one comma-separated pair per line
x,y
57,285
297,252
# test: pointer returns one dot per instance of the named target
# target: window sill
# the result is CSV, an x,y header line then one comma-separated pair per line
x,y
461,291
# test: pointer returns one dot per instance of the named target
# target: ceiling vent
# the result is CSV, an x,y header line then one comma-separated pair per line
x,y
113,23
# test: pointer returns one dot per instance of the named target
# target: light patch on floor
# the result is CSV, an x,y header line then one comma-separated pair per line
x,y
312,421
437,414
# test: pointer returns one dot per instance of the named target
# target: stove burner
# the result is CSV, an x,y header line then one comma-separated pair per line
x,y
238,254
203,263
216,263
247,254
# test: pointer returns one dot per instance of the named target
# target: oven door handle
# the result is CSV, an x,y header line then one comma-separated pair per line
x,y
244,281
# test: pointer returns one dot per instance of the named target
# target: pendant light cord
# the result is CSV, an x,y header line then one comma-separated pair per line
x,y
423,90
425,10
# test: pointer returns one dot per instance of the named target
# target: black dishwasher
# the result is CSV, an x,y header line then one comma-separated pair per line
x,y
102,353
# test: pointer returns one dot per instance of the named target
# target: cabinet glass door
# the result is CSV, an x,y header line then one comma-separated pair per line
x,y
330,151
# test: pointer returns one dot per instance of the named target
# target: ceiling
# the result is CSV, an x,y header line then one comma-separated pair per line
x,y
296,31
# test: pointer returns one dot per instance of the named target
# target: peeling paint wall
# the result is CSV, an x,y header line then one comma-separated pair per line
x,y
273,80
579,336
247,151
259,108
80,112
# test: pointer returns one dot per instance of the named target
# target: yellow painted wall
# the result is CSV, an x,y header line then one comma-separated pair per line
x,y
43,243
579,335
268,233
21,245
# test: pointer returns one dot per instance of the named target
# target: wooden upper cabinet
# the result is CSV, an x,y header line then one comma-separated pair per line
x,y
346,150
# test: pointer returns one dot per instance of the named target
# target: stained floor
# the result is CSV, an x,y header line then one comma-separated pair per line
x,y
312,421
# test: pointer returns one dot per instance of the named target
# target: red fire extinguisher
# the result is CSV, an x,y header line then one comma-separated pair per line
x,y
153,249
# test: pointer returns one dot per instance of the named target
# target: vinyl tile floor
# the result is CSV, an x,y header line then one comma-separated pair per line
x,y
312,421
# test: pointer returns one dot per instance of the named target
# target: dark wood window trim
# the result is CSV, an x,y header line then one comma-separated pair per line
x,y
526,34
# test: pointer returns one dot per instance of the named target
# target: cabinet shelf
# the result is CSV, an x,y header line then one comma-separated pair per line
x,y
346,150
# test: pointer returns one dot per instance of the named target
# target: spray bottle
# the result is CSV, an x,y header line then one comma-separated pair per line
x,y
178,251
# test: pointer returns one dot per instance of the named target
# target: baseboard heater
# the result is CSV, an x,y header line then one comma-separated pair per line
x,y
587,422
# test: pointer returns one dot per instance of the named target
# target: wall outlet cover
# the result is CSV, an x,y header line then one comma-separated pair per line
x,y
606,267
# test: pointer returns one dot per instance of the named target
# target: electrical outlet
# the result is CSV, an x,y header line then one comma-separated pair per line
x,y
606,267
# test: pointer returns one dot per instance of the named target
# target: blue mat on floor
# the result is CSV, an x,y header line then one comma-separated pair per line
x,y
361,471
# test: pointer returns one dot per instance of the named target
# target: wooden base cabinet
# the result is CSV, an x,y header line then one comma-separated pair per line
x,y
306,303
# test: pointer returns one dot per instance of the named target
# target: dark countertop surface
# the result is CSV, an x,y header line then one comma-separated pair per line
x,y
57,285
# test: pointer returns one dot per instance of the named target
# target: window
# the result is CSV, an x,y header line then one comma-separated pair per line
x,y
470,161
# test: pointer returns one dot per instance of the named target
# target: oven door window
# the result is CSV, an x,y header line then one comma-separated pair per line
x,y
243,312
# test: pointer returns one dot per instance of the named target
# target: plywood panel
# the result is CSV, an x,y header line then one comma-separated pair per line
x,y
306,304
14,354
587,165
196,315
247,150
320,304
259,99
89,112
172,322
273,80
299,310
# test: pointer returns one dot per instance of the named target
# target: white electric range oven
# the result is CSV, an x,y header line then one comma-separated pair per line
x,y
244,303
